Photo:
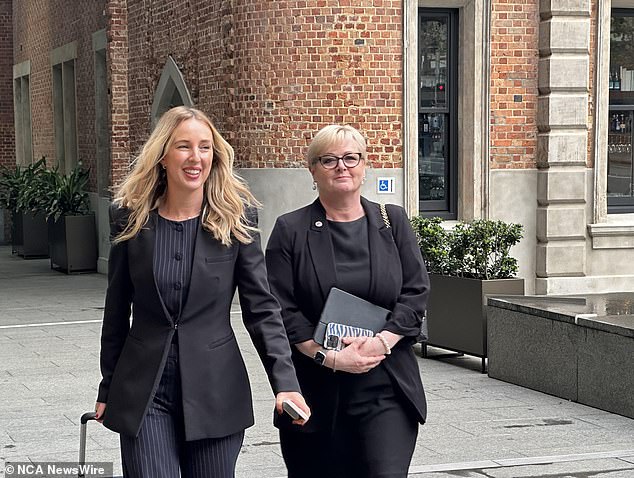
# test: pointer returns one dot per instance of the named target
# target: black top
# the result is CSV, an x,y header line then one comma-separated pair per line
x,y
352,256
173,256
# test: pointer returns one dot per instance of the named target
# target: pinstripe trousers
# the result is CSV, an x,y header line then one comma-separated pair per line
x,y
160,450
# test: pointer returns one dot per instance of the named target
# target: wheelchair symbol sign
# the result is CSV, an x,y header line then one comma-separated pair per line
x,y
385,185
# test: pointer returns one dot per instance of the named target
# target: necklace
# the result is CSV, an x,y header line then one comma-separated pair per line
x,y
178,219
190,217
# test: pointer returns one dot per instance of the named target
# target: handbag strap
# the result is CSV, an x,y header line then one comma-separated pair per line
x,y
386,218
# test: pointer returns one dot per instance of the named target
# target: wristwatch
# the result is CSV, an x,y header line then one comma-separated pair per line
x,y
320,357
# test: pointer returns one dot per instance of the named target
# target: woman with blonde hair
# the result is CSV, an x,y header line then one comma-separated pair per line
x,y
174,384
367,397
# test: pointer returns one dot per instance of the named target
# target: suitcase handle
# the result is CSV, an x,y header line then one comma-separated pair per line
x,y
85,418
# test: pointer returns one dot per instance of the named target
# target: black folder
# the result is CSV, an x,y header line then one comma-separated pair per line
x,y
344,308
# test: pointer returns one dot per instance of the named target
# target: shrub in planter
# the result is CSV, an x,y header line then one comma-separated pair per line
x,y
478,250
72,233
466,264
65,195
20,194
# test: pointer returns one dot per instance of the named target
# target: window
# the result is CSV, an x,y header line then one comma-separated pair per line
x,y
64,112
620,167
437,111
22,113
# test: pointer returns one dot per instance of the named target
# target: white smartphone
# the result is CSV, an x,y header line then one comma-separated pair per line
x,y
293,410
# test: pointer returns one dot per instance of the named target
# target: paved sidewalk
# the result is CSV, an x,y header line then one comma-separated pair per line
x,y
477,426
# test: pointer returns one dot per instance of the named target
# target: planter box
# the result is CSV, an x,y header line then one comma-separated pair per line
x,y
456,314
29,236
570,347
73,244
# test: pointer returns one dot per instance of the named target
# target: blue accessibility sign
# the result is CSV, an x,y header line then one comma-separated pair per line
x,y
385,185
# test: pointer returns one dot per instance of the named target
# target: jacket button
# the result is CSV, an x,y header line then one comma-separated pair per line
x,y
177,286
179,227
319,223
178,256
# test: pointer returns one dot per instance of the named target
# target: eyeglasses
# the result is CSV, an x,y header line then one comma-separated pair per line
x,y
350,160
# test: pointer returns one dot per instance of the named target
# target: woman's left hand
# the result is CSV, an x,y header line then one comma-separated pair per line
x,y
371,347
297,399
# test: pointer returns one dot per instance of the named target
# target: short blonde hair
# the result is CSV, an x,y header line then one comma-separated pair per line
x,y
226,195
330,135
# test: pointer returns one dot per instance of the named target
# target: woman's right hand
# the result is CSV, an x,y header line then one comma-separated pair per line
x,y
100,409
351,360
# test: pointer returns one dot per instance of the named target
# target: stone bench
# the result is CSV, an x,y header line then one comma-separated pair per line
x,y
577,348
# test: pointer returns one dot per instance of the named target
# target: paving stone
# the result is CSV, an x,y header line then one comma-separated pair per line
x,y
49,377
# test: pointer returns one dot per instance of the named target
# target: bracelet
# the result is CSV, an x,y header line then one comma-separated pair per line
x,y
388,349
334,362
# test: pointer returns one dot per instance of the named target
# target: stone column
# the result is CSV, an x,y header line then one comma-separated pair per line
x,y
562,121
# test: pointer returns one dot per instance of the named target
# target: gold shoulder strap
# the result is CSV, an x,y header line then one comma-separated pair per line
x,y
386,218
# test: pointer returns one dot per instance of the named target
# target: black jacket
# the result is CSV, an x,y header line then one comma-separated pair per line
x,y
215,385
301,268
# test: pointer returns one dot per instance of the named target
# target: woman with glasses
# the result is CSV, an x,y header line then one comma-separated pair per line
x,y
366,399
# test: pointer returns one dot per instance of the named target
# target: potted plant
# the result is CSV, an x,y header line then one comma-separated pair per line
x,y
20,190
466,264
71,224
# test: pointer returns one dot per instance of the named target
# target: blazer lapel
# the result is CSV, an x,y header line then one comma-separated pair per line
x,y
381,244
320,247
142,260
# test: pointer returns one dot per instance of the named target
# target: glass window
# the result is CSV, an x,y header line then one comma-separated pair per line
x,y
437,140
620,181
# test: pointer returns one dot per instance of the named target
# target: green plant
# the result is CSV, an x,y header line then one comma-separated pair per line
x,y
433,241
65,195
479,250
21,187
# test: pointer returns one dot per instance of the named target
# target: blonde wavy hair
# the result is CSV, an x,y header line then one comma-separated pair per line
x,y
226,196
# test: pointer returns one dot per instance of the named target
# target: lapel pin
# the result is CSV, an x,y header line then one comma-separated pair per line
x,y
319,223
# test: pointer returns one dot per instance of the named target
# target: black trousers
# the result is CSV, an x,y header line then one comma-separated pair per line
x,y
373,434
160,450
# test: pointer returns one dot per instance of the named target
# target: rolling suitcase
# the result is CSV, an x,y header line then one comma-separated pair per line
x,y
85,418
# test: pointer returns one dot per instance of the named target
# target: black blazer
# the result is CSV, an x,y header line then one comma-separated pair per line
x,y
301,267
215,385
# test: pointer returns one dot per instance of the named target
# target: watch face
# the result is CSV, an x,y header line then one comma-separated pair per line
x,y
320,357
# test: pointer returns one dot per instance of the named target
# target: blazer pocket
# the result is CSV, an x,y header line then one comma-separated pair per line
x,y
221,258
133,338
220,342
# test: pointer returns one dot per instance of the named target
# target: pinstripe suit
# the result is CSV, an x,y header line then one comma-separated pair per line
x,y
174,382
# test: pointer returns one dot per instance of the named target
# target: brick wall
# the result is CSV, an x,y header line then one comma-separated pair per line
x,y
514,62
39,28
301,65
271,73
117,61
7,138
